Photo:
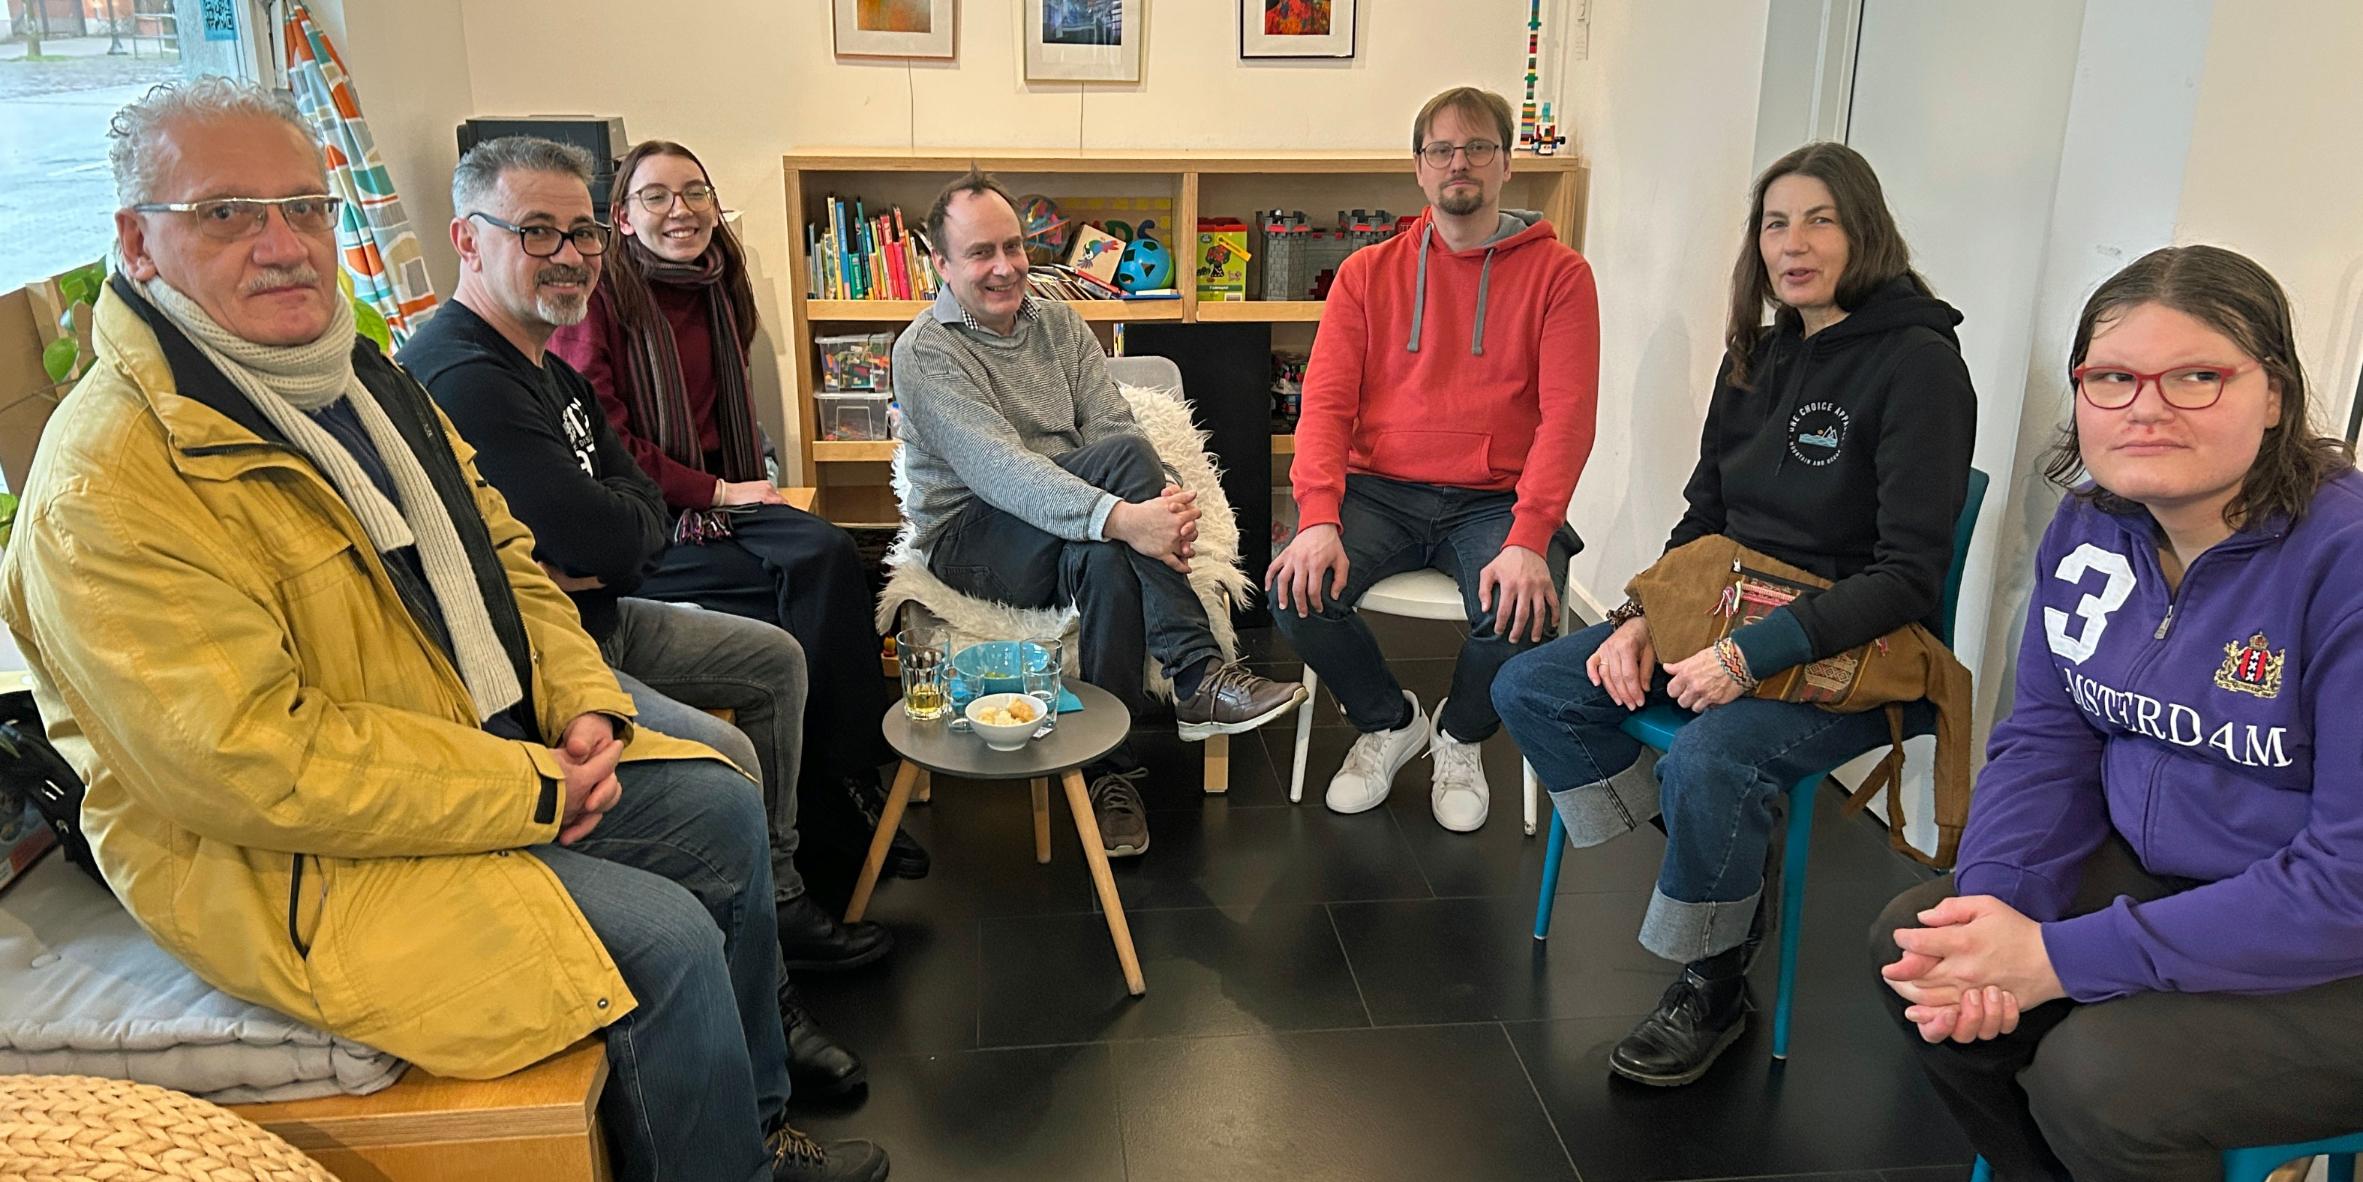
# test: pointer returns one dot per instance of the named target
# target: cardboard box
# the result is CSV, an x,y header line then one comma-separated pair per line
x,y
1096,253
1222,259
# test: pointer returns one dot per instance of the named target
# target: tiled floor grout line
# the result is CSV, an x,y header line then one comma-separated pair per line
x,y
1351,975
1537,1092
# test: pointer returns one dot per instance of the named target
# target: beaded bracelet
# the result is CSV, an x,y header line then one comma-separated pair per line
x,y
1734,663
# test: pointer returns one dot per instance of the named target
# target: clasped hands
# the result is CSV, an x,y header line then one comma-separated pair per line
x,y
1623,665
1971,970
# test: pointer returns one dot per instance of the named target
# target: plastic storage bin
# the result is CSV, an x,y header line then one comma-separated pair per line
x,y
854,416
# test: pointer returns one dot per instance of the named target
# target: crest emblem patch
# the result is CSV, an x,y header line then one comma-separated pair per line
x,y
2251,668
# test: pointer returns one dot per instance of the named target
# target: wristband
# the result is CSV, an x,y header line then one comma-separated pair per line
x,y
1734,663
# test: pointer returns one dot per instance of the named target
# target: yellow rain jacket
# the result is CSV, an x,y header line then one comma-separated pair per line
x,y
287,782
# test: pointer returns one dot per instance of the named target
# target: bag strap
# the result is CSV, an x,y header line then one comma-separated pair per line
x,y
1890,776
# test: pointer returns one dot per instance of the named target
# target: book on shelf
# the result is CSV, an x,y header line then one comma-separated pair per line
x,y
852,254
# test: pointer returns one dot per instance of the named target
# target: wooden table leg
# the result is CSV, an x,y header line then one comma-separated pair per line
x,y
1079,803
1218,764
924,790
1041,820
888,820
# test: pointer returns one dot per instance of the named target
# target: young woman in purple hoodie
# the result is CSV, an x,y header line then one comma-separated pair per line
x,y
2152,949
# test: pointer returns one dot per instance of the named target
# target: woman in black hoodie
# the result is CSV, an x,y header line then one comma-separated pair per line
x,y
1838,441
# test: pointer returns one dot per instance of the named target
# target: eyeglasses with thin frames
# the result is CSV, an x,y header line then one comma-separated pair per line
x,y
2185,387
543,242
659,199
228,219
1479,152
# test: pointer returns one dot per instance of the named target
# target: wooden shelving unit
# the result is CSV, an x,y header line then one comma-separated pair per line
x,y
852,476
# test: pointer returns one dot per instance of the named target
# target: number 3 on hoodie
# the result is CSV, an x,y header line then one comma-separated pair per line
x,y
2092,609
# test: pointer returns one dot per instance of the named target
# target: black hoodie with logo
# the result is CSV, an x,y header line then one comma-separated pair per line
x,y
1849,458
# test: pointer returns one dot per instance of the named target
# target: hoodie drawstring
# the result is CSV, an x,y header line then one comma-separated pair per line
x,y
1419,296
1419,288
1484,278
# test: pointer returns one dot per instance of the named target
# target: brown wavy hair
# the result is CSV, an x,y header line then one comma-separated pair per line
x,y
624,277
2228,292
1875,249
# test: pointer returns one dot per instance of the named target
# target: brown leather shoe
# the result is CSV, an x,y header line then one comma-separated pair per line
x,y
1232,701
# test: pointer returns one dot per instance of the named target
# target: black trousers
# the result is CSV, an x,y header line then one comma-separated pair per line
x,y
787,567
2150,1087
1132,606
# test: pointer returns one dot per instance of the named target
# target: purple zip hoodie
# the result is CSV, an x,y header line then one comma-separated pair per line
x,y
2215,728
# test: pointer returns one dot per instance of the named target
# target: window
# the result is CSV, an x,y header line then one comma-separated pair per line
x,y
65,67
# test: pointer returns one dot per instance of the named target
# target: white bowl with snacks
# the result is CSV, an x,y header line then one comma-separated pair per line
x,y
1005,721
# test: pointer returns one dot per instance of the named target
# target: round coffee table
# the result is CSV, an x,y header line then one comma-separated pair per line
x,y
1079,738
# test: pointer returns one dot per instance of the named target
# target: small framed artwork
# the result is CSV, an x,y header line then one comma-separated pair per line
x,y
895,28
1085,40
1296,28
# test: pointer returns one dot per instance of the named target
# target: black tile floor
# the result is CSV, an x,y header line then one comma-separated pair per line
x,y
1354,998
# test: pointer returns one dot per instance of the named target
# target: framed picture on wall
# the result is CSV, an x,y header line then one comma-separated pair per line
x,y
1085,40
1296,28
895,28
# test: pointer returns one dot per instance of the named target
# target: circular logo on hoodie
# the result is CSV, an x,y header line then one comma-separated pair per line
x,y
1817,431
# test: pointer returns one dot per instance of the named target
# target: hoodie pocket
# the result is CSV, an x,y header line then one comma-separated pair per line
x,y
1433,457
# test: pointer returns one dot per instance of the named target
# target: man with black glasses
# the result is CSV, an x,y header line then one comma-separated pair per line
x,y
1447,411
530,254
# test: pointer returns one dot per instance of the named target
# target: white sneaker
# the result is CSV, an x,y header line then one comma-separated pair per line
x,y
1460,796
1362,781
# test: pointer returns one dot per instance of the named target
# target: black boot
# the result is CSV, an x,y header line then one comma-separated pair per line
x,y
819,1067
811,939
1704,1012
905,858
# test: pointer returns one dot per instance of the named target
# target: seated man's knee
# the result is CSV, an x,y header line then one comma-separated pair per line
x,y
1128,466
1903,911
2081,1094
672,936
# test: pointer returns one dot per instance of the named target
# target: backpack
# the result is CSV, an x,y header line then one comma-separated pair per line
x,y
31,768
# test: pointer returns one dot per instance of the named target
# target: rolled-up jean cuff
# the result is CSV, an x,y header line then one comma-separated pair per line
x,y
1686,932
1612,807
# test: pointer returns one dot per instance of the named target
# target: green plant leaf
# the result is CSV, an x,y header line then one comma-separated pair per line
x,y
369,322
58,358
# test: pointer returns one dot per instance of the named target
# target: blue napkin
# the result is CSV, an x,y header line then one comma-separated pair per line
x,y
1068,703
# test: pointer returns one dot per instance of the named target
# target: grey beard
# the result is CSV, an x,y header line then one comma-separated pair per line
x,y
560,311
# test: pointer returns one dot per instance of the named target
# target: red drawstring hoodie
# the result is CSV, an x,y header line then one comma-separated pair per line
x,y
1476,369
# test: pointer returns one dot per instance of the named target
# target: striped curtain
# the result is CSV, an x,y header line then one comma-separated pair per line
x,y
381,254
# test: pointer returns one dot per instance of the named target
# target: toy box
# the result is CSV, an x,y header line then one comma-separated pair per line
x,y
1096,254
863,362
854,415
1222,259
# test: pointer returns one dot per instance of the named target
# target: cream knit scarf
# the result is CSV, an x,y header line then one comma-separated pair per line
x,y
284,382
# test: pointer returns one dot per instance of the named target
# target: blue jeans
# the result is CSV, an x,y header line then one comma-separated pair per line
x,y
1716,789
676,881
1389,527
678,661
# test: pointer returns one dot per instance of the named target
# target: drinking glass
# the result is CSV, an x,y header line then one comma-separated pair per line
x,y
1041,662
919,652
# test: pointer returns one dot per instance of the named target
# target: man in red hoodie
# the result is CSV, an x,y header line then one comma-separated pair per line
x,y
1448,410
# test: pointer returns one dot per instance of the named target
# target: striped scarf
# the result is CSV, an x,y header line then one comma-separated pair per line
x,y
657,392
284,382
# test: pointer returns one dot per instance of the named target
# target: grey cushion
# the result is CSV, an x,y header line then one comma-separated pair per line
x,y
84,991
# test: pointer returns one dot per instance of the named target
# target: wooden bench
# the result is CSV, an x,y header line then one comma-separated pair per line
x,y
536,1125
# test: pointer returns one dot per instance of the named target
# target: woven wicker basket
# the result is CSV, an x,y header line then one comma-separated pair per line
x,y
79,1127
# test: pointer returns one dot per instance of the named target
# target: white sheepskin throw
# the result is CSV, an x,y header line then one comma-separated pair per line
x,y
1164,416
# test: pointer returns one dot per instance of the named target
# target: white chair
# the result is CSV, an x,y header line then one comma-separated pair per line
x,y
1420,595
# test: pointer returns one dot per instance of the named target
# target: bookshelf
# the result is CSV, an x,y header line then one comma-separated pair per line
x,y
852,477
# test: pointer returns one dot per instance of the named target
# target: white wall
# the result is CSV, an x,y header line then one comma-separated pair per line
x,y
1665,107
2276,169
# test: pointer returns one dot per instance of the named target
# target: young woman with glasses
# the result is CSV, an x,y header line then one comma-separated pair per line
x,y
666,346
2161,883
1838,441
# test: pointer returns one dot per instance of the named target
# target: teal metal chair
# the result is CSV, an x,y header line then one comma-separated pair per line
x,y
2253,1165
1656,725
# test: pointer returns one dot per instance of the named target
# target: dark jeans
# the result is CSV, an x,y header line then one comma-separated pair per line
x,y
676,882
787,567
2149,1087
678,662
1133,607
1718,789
1389,527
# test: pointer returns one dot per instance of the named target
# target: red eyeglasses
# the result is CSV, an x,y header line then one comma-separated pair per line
x,y
2185,387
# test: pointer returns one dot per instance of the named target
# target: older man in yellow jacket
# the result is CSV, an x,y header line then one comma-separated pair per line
x,y
348,751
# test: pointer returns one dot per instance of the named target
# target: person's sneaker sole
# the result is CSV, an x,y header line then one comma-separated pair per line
x,y
1375,801
1127,851
1194,732
1483,815
1694,1074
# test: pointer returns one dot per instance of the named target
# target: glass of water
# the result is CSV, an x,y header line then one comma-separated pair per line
x,y
919,653
1041,663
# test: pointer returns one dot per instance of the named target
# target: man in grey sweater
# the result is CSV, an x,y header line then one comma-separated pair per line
x,y
1031,485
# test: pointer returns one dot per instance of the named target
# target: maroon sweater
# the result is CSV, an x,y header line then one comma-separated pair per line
x,y
599,347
